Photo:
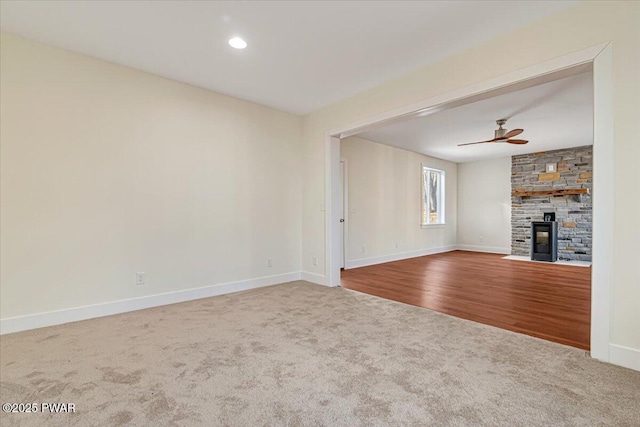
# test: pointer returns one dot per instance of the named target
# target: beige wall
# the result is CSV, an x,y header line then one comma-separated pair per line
x,y
484,205
585,25
385,190
107,171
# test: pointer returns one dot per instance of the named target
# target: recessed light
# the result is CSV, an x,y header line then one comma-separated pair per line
x,y
237,43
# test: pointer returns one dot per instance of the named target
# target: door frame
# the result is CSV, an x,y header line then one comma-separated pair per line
x,y
345,211
600,58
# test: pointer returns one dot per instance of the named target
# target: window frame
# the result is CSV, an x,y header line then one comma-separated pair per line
x,y
424,196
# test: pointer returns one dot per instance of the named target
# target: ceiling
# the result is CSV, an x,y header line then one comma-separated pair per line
x,y
554,115
301,55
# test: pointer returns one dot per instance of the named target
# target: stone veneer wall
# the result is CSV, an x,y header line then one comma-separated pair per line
x,y
574,170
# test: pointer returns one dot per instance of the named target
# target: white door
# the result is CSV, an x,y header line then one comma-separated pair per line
x,y
342,215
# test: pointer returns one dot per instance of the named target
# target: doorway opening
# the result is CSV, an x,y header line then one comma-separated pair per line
x,y
598,57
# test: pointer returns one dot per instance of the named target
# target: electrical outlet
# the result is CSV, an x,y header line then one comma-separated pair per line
x,y
269,263
481,239
397,245
140,279
363,249
315,260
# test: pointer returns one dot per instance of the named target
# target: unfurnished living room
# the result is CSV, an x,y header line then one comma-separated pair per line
x,y
319,213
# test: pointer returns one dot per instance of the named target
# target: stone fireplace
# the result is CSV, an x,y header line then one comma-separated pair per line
x,y
558,182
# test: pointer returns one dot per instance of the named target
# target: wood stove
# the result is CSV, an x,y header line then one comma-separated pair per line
x,y
544,241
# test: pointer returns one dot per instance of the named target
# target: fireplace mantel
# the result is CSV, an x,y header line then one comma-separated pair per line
x,y
580,192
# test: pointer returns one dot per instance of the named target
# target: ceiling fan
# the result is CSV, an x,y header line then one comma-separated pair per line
x,y
502,135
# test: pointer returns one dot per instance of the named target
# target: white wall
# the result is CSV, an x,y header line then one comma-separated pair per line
x,y
484,205
384,186
107,171
584,25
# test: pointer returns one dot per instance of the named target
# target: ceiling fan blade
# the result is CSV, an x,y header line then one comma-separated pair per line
x,y
512,133
479,142
517,141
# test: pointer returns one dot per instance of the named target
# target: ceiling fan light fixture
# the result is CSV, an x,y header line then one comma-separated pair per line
x,y
502,135
500,132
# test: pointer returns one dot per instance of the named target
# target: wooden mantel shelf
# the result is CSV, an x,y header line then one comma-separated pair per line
x,y
576,191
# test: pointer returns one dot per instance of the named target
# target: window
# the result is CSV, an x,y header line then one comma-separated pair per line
x,y
432,196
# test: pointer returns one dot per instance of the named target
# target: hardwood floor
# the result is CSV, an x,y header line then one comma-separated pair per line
x,y
548,301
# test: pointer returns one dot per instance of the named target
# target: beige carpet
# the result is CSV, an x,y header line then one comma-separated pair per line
x,y
301,354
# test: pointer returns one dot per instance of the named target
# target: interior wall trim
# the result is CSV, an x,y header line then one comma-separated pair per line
x,y
487,249
58,317
363,262
318,279
624,356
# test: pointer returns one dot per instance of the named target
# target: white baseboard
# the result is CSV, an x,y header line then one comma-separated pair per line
x,y
318,279
489,249
624,356
51,318
363,262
